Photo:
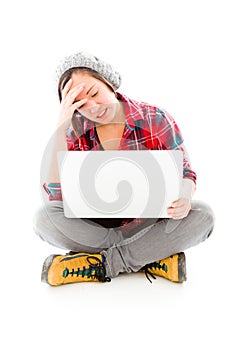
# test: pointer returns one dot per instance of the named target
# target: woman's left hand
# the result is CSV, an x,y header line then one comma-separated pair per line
x,y
180,208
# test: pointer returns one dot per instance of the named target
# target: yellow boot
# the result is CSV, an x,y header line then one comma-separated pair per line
x,y
173,268
71,268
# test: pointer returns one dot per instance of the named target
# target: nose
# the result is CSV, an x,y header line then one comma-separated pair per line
x,y
94,109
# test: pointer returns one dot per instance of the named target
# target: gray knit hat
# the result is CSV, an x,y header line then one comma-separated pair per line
x,y
83,59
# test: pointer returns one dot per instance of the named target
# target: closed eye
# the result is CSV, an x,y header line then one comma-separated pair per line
x,y
81,106
95,94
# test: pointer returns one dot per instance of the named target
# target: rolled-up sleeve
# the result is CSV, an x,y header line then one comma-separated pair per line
x,y
188,173
169,137
54,191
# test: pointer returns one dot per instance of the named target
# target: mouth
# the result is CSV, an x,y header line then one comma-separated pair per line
x,y
102,115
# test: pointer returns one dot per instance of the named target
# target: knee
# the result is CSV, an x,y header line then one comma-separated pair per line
x,y
45,215
205,214
45,227
40,221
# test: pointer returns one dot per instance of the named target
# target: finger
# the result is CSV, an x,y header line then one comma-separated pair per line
x,y
179,205
179,210
180,214
175,202
177,218
79,104
176,213
170,212
66,89
180,202
72,95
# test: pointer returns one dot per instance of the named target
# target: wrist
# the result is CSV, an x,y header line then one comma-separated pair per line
x,y
63,125
187,188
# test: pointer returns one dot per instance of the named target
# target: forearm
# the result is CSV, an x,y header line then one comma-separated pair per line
x,y
58,144
188,188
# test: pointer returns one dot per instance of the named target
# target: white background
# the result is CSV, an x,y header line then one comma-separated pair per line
x,y
176,54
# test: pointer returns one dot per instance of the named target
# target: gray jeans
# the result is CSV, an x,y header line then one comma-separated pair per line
x,y
124,253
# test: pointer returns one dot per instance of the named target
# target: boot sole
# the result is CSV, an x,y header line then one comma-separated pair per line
x,y
46,266
181,268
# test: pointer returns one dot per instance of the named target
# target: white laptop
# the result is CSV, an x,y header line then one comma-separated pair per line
x,y
119,184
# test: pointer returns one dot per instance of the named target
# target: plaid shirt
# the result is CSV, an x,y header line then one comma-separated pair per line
x,y
147,127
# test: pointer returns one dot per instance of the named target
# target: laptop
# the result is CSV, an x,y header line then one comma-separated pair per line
x,y
119,184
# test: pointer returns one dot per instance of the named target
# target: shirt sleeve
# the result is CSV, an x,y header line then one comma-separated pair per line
x,y
54,191
169,137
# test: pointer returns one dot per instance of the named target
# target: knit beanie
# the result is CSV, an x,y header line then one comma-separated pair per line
x,y
83,59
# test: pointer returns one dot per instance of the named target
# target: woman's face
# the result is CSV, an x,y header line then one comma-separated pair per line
x,y
102,105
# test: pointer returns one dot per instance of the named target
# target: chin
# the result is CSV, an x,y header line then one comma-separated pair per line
x,y
107,120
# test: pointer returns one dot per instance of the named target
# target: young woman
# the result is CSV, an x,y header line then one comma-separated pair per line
x,y
95,116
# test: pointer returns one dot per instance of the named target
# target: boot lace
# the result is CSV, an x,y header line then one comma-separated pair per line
x,y
95,270
155,265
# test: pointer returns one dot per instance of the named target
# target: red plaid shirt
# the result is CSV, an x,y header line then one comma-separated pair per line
x,y
147,127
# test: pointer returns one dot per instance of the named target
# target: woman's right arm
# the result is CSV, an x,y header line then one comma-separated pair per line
x,y
58,144
68,107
